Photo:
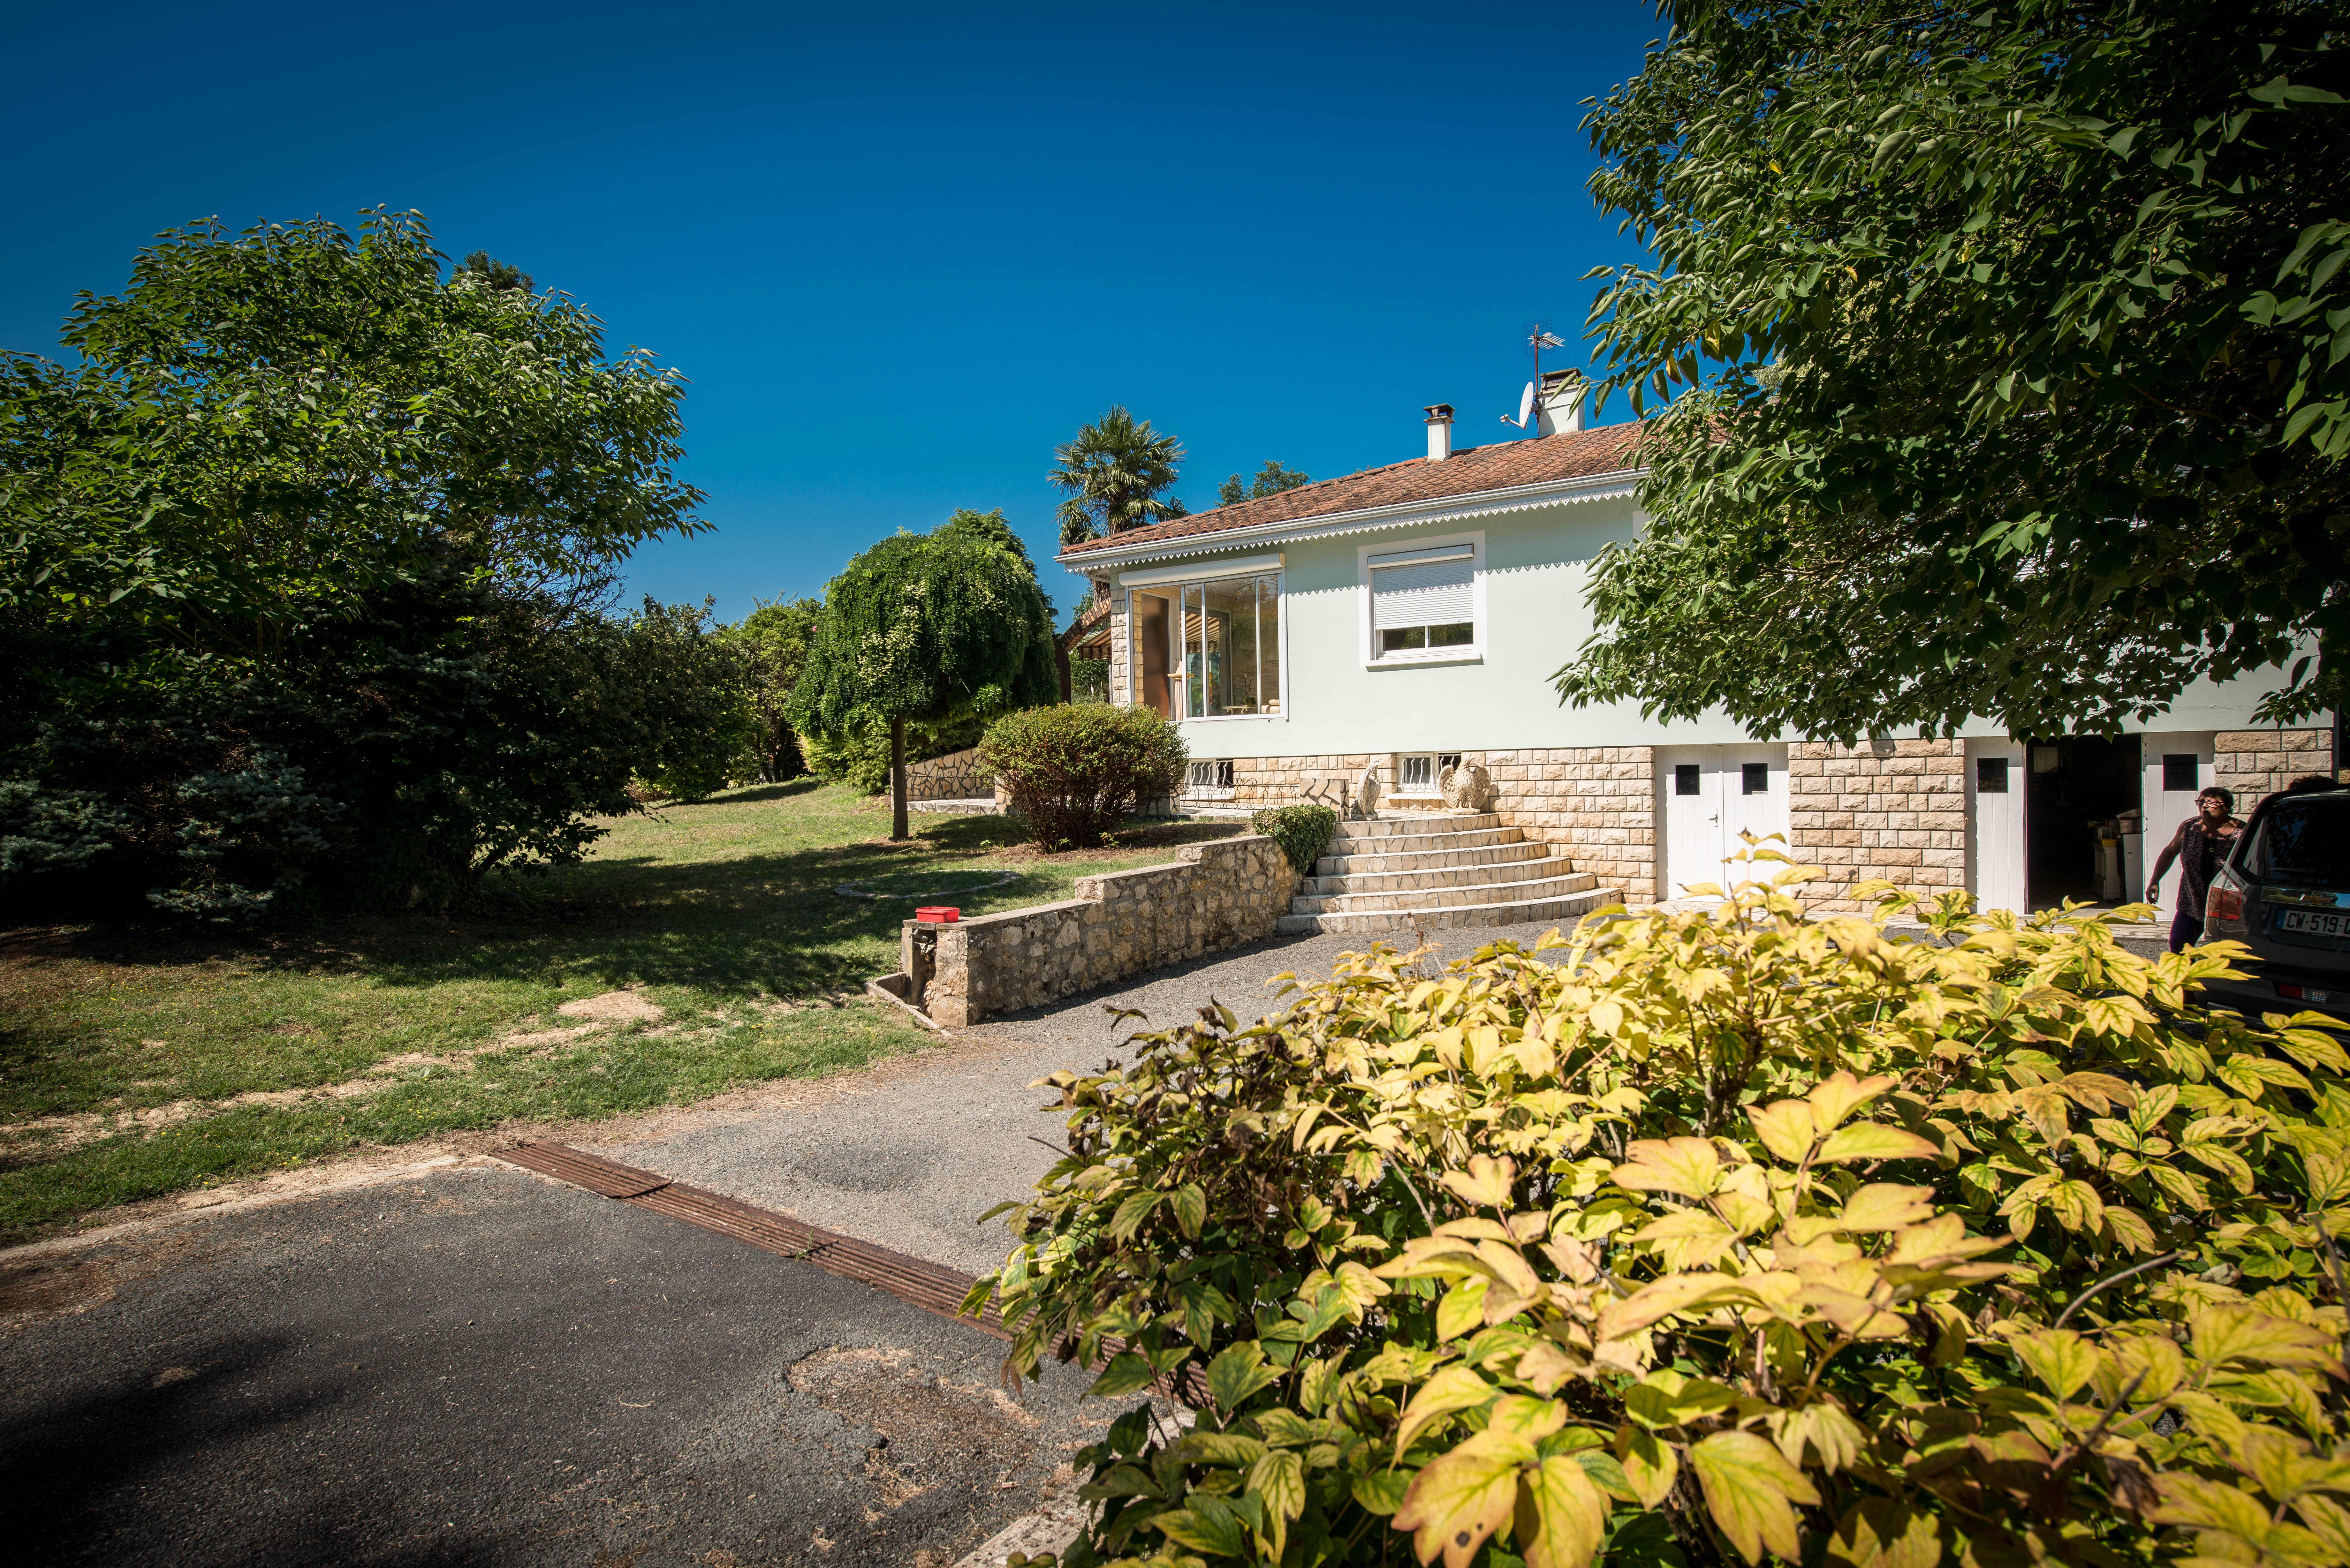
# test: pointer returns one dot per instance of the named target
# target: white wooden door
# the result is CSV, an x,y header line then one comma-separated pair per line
x,y
2177,767
1997,824
1710,796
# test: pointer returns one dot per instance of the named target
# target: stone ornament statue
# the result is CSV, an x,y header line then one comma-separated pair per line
x,y
1466,787
1367,793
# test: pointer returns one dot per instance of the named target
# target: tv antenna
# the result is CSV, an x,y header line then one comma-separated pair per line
x,y
1540,340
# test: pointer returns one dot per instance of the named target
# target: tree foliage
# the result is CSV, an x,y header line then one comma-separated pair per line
x,y
1271,480
772,644
1115,476
301,575
2015,340
930,628
1738,1233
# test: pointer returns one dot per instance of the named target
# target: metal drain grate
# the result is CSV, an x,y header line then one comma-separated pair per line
x,y
914,1280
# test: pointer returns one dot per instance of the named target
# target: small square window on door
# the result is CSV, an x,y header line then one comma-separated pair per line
x,y
1991,776
1754,778
1687,777
2180,773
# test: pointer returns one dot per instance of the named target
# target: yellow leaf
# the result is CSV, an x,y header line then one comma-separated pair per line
x,y
1515,1416
1784,1128
2060,1359
1750,1489
1667,1398
1454,1388
1882,1534
1837,1096
2153,1360
1279,1479
1654,1301
1463,1308
1486,1183
2223,1333
1873,1141
1833,1439
1458,1500
1560,1515
1650,1464
1885,1206
1688,1238
1687,1166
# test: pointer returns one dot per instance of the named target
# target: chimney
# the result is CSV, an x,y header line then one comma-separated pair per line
x,y
1439,431
1559,406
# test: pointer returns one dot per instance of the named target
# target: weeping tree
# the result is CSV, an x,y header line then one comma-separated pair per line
x,y
931,627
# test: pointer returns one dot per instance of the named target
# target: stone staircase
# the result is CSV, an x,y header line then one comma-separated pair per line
x,y
1434,869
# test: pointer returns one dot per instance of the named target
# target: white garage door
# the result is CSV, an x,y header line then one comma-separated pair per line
x,y
1711,794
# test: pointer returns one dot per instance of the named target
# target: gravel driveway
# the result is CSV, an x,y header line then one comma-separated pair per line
x,y
910,1155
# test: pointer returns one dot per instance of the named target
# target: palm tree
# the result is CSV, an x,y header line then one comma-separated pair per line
x,y
1114,472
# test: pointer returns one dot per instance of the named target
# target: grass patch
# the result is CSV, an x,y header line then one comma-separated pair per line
x,y
725,915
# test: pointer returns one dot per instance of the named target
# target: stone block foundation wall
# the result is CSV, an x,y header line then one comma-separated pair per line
x,y
1218,895
2256,763
1598,803
1895,809
955,776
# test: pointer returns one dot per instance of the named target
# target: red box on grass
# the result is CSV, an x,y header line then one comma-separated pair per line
x,y
938,914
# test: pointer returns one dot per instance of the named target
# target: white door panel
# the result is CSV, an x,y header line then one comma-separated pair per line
x,y
2177,767
1710,796
1996,831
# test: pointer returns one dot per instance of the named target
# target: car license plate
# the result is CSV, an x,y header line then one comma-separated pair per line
x,y
2316,922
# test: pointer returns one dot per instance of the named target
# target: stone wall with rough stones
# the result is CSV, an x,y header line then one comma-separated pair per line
x,y
2255,762
1218,895
955,776
1895,809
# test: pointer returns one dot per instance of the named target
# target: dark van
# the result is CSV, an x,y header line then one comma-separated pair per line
x,y
2285,892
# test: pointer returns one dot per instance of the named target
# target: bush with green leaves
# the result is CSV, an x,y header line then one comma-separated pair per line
x,y
1303,832
1078,770
859,754
303,553
1737,1234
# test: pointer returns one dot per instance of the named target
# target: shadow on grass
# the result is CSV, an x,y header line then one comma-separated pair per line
x,y
747,924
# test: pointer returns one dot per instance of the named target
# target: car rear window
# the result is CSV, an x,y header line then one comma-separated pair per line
x,y
2305,841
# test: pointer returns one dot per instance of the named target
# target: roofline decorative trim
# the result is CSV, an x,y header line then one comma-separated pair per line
x,y
1369,519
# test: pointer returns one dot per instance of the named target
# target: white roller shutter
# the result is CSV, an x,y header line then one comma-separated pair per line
x,y
1423,593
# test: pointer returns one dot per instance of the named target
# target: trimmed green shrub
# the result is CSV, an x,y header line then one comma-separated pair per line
x,y
1303,832
1741,1232
1078,770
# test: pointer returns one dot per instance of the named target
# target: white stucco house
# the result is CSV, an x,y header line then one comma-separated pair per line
x,y
1412,614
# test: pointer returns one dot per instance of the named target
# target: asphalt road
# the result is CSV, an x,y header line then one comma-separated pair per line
x,y
482,1367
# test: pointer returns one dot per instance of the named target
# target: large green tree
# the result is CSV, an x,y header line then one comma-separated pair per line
x,y
2007,350
1115,476
931,627
1270,479
302,570
772,643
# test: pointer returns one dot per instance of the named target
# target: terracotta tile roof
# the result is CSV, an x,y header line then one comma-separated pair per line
x,y
1574,455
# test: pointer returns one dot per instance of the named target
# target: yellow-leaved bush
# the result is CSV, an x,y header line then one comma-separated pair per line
x,y
1704,1237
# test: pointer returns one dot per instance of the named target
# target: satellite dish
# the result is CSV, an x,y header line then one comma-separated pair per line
x,y
1526,409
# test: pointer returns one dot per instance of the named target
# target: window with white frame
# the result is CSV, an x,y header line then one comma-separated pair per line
x,y
1221,640
1423,601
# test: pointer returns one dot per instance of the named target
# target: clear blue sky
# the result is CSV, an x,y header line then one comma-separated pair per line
x,y
901,252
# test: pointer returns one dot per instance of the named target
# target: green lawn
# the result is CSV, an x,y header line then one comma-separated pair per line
x,y
723,915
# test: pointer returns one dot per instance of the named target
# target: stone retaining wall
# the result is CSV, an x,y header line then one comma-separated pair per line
x,y
1895,809
1217,894
955,776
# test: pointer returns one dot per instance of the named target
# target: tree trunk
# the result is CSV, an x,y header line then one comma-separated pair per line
x,y
1061,663
898,779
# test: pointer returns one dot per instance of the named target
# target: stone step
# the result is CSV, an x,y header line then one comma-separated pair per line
x,y
1368,922
1415,842
1408,824
1447,898
1531,868
1433,859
